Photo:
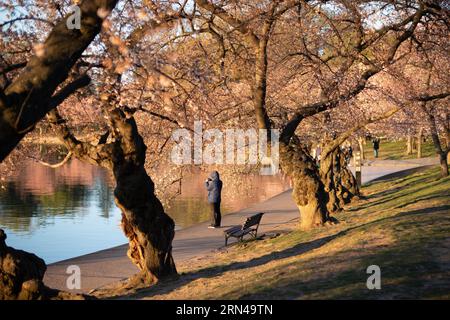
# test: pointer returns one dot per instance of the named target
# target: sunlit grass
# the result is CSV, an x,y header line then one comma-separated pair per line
x,y
396,150
402,226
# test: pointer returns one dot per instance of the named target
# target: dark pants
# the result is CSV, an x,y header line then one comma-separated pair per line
x,y
216,217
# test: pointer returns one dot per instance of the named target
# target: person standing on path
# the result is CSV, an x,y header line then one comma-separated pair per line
x,y
376,146
214,187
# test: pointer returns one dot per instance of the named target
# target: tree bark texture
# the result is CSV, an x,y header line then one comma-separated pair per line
x,y
149,229
308,190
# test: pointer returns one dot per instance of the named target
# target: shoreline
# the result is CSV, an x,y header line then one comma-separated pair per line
x,y
110,265
176,231
406,163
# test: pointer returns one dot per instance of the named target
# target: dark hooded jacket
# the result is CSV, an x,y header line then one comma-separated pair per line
x,y
214,187
376,143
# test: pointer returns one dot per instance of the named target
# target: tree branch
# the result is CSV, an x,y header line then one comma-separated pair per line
x,y
312,109
12,67
237,24
98,155
31,91
342,137
427,98
57,165
68,90
155,114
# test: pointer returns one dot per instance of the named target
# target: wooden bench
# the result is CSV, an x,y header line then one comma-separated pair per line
x,y
250,227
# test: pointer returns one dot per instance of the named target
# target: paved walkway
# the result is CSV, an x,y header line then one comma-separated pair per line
x,y
103,267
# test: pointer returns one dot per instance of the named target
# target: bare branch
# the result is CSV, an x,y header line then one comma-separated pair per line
x,y
95,154
57,165
29,94
342,137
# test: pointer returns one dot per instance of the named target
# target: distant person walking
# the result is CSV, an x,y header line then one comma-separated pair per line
x,y
214,187
376,146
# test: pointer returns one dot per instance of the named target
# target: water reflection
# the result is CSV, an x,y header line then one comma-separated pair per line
x,y
19,206
238,193
70,211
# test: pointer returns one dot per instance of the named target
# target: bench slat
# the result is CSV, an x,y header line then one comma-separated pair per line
x,y
233,230
241,233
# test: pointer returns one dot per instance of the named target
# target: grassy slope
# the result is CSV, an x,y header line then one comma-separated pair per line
x,y
403,226
397,150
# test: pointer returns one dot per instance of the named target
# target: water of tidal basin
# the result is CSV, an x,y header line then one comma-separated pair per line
x,y
70,211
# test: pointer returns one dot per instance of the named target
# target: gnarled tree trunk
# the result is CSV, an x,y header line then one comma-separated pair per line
x,y
329,174
350,189
308,190
149,229
339,182
21,273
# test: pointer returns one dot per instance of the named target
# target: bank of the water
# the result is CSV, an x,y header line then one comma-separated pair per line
x,y
106,266
66,212
392,244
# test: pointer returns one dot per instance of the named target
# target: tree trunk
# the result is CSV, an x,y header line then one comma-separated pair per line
x,y
308,190
419,143
361,148
436,141
339,182
409,144
443,164
348,183
414,144
329,175
260,89
149,229
21,273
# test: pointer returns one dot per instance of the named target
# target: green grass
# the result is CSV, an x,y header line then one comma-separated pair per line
x,y
396,150
402,226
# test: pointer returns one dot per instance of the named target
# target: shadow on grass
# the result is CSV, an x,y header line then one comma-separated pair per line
x,y
398,185
408,270
388,199
397,260
349,276
404,191
445,209
399,279
214,271
400,174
